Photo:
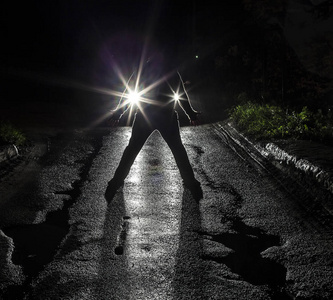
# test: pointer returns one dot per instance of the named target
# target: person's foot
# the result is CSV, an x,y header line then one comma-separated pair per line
x,y
195,189
112,188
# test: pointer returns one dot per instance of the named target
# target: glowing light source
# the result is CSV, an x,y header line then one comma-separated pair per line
x,y
176,96
133,97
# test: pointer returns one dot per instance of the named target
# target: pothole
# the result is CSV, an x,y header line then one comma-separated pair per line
x,y
121,239
248,242
36,244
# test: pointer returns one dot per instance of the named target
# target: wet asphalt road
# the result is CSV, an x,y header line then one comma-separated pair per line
x,y
246,239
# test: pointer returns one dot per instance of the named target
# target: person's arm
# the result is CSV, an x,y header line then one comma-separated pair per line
x,y
186,105
122,107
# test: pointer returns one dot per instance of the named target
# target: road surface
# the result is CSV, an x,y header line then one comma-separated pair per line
x,y
248,238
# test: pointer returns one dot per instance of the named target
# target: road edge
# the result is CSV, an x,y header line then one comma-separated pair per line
x,y
311,178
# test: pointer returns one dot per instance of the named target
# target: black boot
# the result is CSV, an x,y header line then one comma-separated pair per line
x,y
112,188
194,187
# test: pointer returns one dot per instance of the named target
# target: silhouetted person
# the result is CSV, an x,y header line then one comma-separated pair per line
x,y
155,111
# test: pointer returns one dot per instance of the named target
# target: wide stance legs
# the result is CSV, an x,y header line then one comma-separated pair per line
x,y
142,129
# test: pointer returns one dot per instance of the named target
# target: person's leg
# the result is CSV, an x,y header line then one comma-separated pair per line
x,y
170,133
140,132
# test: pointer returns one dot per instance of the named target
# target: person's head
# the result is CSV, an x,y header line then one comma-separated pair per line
x,y
157,64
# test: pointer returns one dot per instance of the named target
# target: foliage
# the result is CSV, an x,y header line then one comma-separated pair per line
x,y
259,59
264,9
273,122
11,135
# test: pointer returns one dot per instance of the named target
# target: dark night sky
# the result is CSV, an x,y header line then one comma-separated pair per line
x,y
59,35
65,36
56,35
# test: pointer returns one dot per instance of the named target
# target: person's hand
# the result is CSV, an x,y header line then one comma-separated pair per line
x,y
195,120
114,120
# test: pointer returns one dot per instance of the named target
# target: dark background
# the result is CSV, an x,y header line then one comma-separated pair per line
x,y
57,54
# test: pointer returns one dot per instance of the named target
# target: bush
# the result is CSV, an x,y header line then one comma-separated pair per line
x,y
10,135
274,122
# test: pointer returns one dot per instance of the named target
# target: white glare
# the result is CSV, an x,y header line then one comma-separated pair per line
x,y
133,97
176,96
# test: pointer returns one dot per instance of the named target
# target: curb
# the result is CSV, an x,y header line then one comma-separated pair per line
x,y
304,166
286,168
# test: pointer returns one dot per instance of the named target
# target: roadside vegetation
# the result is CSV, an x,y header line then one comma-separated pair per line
x,y
11,135
265,121
275,89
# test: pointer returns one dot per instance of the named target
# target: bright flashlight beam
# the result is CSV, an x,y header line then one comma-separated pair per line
x,y
176,97
133,97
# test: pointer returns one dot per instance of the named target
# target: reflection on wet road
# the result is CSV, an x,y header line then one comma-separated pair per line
x,y
157,249
153,203
246,239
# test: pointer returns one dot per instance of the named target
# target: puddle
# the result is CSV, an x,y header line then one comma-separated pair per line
x,y
246,261
36,244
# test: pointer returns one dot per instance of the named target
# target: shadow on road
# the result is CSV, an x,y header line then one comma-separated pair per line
x,y
113,280
188,279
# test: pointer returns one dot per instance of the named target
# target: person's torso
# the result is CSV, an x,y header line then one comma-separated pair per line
x,y
158,96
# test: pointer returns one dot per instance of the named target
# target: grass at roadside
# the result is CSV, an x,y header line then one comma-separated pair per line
x,y
264,121
11,135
